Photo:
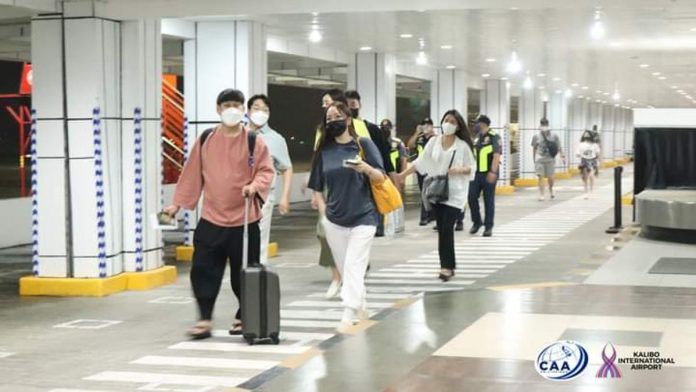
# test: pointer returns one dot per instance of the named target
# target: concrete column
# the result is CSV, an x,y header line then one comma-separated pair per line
x,y
448,91
141,44
373,75
559,112
77,68
577,125
531,112
619,131
223,54
495,103
628,141
607,133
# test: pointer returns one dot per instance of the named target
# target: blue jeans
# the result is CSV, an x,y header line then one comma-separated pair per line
x,y
476,186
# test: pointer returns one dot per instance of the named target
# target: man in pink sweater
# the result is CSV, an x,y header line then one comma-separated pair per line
x,y
221,168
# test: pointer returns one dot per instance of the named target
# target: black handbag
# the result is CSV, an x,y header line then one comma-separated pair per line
x,y
436,188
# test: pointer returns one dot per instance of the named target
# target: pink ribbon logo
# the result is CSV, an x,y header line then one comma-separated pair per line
x,y
609,368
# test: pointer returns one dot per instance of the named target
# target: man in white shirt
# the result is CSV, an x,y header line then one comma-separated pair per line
x,y
259,109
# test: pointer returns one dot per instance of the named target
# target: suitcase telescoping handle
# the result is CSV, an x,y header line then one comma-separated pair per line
x,y
245,239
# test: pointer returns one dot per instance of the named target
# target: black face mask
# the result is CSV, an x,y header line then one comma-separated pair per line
x,y
355,113
335,128
386,128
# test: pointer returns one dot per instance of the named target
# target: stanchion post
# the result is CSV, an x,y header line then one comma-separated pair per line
x,y
617,202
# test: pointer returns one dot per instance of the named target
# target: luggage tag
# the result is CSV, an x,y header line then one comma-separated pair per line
x,y
162,221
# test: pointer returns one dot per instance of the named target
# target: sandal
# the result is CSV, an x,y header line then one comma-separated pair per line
x,y
202,330
236,328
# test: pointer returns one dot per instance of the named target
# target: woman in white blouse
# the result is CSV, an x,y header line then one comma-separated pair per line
x,y
456,146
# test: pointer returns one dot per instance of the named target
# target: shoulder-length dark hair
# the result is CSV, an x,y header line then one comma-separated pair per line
x,y
324,138
462,129
586,137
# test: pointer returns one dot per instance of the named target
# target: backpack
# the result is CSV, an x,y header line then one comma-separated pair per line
x,y
551,145
251,142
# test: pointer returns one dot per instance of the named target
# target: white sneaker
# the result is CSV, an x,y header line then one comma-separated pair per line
x,y
587,196
334,289
541,198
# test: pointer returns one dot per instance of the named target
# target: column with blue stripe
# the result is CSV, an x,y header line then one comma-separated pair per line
x,y
99,189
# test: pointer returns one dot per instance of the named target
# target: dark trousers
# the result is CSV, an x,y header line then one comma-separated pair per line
x,y
446,216
425,216
478,185
213,246
460,218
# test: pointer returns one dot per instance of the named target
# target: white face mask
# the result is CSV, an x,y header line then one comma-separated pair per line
x,y
448,128
231,116
259,118
544,129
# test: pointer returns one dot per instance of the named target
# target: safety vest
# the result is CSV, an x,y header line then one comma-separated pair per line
x,y
394,154
484,152
361,128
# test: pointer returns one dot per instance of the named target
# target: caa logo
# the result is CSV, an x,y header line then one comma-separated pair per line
x,y
561,361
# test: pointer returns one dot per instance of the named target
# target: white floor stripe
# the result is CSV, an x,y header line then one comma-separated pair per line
x,y
216,363
240,347
428,275
460,260
336,304
436,269
158,378
284,335
307,324
472,267
369,296
418,282
401,289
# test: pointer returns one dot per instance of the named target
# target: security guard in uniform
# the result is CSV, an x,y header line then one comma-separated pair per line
x,y
424,132
488,149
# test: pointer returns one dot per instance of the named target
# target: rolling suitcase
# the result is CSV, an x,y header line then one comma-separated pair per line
x,y
260,296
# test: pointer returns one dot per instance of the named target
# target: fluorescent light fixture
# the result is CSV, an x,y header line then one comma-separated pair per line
x,y
421,58
674,87
556,79
365,48
491,60
581,96
451,67
575,85
585,88
644,65
485,75
597,31
616,105
406,36
655,74
315,36
605,94
662,77
446,47
541,75
527,84
504,78
515,65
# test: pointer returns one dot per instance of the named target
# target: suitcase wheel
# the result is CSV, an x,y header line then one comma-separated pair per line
x,y
275,338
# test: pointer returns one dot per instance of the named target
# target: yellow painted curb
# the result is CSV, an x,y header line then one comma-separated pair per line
x,y
526,182
608,164
627,199
184,253
147,280
504,190
563,176
574,171
272,249
72,287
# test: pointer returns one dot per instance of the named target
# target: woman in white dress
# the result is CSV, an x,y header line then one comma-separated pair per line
x,y
588,152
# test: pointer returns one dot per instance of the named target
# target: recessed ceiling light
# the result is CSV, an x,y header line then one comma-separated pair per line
x,y
541,75
446,47
406,36
365,48
674,87
575,85
556,79
581,96
692,29
585,88
655,74
644,65
491,60
422,58
598,91
485,75
662,77
605,93
315,14
315,36
451,66
504,78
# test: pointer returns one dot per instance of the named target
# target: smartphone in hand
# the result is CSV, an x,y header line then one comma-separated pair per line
x,y
351,162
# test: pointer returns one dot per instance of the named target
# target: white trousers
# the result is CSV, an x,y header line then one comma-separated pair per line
x,y
265,228
351,251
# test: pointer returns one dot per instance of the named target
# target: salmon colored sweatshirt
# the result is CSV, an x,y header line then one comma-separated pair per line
x,y
225,172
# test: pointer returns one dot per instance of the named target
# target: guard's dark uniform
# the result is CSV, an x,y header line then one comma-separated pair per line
x,y
425,215
485,146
